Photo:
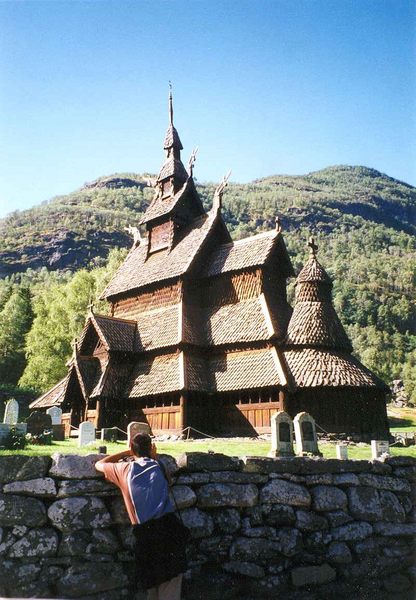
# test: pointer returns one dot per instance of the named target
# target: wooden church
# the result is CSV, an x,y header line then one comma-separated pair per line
x,y
200,332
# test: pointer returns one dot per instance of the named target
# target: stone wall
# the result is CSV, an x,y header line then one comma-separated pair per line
x,y
298,528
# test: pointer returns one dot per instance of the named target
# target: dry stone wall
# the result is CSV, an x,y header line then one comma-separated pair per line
x,y
302,528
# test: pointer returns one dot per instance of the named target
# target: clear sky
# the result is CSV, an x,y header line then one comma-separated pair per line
x,y
261,86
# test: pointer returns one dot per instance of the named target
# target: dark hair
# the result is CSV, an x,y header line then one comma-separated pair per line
x,y
141,444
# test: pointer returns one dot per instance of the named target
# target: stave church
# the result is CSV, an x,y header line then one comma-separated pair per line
x,y
200,333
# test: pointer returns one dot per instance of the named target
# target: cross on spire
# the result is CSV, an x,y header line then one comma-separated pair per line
x,y
313,248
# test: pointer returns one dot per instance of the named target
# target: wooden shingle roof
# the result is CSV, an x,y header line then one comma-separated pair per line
x,y
172,139
53,397
158,328
155,375
173,167
314,322
231,323
311,367
243,370
139,270
242,254
161,206
119,334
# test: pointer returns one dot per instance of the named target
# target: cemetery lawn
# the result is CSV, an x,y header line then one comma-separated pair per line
x,y
401,419
231,447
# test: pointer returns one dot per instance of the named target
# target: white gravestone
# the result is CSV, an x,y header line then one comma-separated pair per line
x,y
11,412
305,433
134,428
56,414
342,451
86,433
378,448
282,434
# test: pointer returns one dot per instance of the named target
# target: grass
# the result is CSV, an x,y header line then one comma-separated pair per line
x,y
400,420
232,447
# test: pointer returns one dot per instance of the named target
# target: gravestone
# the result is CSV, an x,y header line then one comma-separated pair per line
x,y
86,433
11,412
305,433
378,448
56,414
38,422
342,451
136,427
109,434
282,434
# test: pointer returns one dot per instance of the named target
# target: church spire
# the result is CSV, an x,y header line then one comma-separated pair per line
x,y
173,174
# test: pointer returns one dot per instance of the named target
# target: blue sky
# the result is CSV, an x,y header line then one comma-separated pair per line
x,y
262,87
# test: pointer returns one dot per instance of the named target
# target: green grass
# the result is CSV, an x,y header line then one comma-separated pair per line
x,y
229,447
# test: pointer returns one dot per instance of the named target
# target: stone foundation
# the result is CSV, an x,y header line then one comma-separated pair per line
x,y
298,528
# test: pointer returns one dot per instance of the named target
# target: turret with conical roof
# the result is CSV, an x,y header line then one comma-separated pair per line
x,y
314,322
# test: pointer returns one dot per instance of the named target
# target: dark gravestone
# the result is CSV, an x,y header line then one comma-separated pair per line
x,y
38,422
284,431
109,434
58,432
307,430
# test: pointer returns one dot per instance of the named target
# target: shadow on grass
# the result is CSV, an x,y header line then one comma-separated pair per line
x,y
396,422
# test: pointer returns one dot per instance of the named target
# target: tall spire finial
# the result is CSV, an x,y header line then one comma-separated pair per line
x,y
220,190
313,248
170,104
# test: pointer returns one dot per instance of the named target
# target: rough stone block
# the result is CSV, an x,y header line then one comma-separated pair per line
x,y
74,544
327,498
75,466
192,478
309,521
338,517
278,514
75,513
227,520
37,543
200,524
237,477
266,465
319,479
395,529
353,532
91,578
184,496
244,568
392,509
364,503
223,494
314,575
257,550
202,461
285,492
381,482
20,468
42,488
401,461
20,510
80,487
339,553
118,512
346,479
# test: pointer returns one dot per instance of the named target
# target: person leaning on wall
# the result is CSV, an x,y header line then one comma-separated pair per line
x,y
160,536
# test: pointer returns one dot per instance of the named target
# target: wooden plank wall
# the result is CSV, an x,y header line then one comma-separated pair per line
x,y
130,308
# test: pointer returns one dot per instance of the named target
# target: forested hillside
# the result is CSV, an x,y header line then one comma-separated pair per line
x,y
53,259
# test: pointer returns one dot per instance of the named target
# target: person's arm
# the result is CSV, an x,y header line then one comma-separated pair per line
x,y
112,458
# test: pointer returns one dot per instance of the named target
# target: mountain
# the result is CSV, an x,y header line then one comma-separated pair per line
x,y
69,231
363,222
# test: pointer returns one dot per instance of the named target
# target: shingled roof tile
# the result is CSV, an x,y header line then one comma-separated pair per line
x,y
248,252
310,367
53,397
139,270
316,324
156,375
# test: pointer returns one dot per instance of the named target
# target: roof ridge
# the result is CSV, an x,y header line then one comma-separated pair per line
x,y
109,317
